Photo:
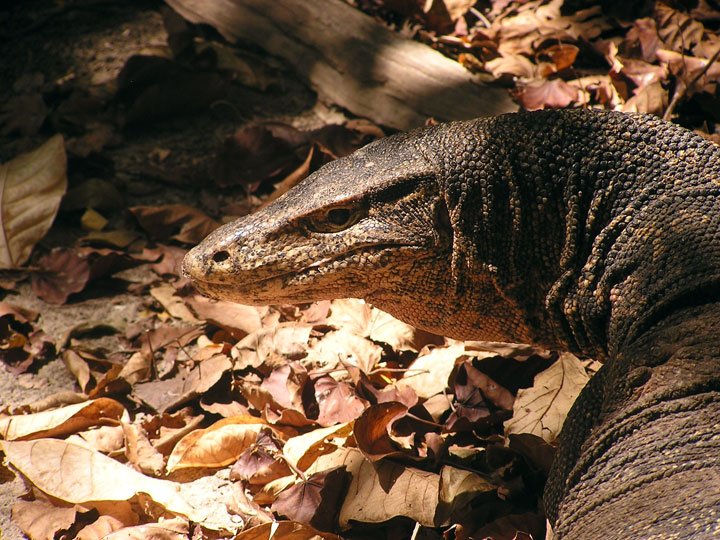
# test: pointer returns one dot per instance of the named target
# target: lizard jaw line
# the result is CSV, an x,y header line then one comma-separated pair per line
x,y
216,288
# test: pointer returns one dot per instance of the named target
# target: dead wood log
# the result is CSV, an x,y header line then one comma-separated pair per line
x,y
353,61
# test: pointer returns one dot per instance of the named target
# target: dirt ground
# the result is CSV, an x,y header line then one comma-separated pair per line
x,y
82,47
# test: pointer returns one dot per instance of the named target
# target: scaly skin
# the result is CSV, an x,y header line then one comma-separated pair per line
x,y
587,231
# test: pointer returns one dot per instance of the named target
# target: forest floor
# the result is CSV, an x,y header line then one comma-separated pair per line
x,y
162,142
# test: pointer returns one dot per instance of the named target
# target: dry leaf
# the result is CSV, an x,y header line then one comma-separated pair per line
x,y
237,319
216,446
177,221
170,393
63,421
285,530
428,375
167,529
678,31
383,490
32,186
78,475
261,462
40,519
554,93
342,348
174,305
457,490
366,321
337,401
303,450
372,430
315,500
541,410
272,346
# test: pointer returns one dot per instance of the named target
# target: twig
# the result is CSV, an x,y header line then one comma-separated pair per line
x,y
680,93
481,17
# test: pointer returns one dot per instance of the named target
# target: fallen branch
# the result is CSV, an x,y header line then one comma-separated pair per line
x,y
353,61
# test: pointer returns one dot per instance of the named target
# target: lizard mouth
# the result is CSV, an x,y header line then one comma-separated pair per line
x,y
279,285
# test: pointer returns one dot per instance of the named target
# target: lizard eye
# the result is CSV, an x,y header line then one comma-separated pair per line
x,y
335,220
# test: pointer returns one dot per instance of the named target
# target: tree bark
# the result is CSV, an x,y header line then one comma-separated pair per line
x,y
353,61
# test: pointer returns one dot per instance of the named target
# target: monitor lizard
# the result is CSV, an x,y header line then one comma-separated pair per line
x,y
589,231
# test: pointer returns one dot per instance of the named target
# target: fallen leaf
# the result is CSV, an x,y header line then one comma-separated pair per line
x,y
366,321
170,393
78,475
260,153
262,461
554,93
337,401
40,519
287,384
342,348
304,449
372,430
678,31
165,294
32,186
383,490
78,367
175,221
67,271
428,375
541,410
285,530
458,488
167,529
238,320
272,346
140,452
243,505
63,421
315,500
215,446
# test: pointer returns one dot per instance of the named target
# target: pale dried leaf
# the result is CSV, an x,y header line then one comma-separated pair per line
x,y
31,187
63,421
285,530
428,375
78,475
40,519
457,490
342,348
216,446
515,65
238,319
274,344
105,439
369,322
303,450
167,529
384,490
458,8
552,93
541,409
100,528
174,305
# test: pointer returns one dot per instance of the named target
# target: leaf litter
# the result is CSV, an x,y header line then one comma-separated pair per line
x,y
215,420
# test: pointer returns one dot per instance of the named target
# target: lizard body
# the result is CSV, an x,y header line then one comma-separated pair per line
x,y
580,230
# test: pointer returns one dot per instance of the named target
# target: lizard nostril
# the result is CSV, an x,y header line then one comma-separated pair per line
x,y
220,256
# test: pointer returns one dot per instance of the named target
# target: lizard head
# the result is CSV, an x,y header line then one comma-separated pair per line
x,y
352,229
380,224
